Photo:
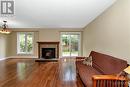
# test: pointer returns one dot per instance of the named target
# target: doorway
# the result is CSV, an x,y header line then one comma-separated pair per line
x,y
70,43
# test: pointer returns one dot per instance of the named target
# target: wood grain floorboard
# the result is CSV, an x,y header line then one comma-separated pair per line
x,y
28,73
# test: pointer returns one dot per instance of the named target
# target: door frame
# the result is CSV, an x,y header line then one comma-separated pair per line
x,y
71,33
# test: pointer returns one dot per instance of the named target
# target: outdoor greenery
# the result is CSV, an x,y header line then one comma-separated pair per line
x,y
66,39
26,42
74,42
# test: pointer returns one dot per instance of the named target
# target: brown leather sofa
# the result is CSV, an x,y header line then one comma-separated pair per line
x,y
102,64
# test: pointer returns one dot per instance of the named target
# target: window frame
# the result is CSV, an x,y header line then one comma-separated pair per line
x,y
18,43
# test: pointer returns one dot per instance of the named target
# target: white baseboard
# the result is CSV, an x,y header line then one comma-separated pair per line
x,y
21,57
17,57
2,59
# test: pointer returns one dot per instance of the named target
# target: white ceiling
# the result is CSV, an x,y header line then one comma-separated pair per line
x,y
55,13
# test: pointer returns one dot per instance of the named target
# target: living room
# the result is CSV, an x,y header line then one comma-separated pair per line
x,y
105,30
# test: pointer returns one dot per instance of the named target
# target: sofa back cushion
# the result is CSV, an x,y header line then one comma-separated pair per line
x,y
107,64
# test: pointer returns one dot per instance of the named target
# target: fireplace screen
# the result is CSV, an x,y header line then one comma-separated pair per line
x,y
48,53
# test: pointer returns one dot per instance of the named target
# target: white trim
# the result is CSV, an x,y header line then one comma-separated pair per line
x,y
2,59
70,43
18,46
21,57
71,33
31,57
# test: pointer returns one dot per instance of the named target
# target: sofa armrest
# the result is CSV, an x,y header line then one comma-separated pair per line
x,y
108,77
79,58
107,80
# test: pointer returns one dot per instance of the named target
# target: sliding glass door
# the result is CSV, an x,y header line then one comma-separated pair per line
x,y
70,43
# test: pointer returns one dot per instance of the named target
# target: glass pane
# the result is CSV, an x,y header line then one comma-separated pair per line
x,y
65,45
74,45
22,42
29,42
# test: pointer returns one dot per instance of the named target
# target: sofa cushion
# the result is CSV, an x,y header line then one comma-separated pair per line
x,y
88,61
107,64
86,73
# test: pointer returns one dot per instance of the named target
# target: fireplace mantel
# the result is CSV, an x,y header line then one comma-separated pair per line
x,y
47,45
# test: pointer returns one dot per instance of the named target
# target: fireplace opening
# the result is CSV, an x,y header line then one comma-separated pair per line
x,y
48,53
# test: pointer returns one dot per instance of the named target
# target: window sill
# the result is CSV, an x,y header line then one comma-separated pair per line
x,y
24,53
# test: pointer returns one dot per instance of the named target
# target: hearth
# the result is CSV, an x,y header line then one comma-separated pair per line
x,y
48,53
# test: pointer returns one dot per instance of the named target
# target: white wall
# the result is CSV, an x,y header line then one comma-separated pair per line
x,y
110,32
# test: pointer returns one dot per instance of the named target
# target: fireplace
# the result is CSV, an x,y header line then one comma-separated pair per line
x,y
48,50
48,53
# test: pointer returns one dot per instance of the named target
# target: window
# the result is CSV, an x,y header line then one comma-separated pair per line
x,y
25,42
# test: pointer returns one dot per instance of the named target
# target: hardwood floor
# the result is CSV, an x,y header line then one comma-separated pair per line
x,y
28,73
